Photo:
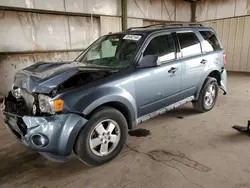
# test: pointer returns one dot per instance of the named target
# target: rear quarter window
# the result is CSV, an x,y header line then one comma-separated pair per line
x,y
211,42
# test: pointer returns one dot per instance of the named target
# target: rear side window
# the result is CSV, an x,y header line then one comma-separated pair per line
x,y
210,43
162,46
190,44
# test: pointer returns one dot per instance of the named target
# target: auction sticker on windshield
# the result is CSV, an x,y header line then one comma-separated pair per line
x,y
132,37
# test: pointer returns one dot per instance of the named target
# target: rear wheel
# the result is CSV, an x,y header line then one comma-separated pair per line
x,y
208,96
102,138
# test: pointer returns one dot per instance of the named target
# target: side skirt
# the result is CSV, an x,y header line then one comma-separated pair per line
x,y
164,110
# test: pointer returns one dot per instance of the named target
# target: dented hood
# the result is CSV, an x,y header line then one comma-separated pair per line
x,y
43,77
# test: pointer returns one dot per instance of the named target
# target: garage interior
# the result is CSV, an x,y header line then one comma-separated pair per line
x,y
184,148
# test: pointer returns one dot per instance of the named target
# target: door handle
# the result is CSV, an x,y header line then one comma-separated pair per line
x,y
172,70
204,61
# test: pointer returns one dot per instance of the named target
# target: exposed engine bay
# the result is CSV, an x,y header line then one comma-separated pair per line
x,y
20,102
79,79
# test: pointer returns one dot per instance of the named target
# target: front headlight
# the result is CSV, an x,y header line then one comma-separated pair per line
x,y
47,105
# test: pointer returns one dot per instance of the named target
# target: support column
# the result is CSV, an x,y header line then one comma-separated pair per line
x,y
193,11
124,14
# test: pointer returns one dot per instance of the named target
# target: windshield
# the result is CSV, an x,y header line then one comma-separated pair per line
x,y
114,51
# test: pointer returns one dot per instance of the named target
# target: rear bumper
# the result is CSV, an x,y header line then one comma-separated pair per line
x,y
51,134
223,83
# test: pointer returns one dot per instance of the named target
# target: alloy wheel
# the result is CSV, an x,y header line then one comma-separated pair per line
x,y
105,137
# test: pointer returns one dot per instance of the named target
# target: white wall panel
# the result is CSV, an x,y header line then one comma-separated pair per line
x,y
145,9
217,9
50,32
220,29
104,7
57,5
207,24
107,7
225,9
225,36
110,24
231,43
238,43
135,22
183,11
21,31
202,10
171,7
241,7
148,22
15,31
83,31
17,3
159,9
245,52
211,10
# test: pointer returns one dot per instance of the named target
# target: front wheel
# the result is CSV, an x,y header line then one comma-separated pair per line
x,y
208,96
102,138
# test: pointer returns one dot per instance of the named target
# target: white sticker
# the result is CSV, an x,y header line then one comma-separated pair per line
x,y
132,37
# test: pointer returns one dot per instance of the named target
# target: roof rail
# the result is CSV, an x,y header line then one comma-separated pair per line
x,y
144,27
169,24
183,24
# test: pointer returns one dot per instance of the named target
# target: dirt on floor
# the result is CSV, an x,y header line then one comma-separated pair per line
x,y
179,149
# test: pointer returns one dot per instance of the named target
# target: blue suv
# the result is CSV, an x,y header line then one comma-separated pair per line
x,y
122,79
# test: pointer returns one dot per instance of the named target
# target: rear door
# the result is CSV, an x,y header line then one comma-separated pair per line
x,y
192,62
214,53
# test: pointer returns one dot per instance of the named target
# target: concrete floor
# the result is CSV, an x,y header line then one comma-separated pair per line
x,y
200,150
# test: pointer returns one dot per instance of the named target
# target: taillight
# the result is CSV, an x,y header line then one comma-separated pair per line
x,y
224,59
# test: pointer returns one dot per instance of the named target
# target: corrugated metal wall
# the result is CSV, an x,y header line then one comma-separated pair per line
x,y
146,9
235,36
218,9
24,31
35,30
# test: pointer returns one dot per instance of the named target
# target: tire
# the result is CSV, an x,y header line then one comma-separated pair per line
x,y
201,105
84,145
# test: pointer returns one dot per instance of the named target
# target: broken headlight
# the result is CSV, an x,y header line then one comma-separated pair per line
x,y
47,105
17,93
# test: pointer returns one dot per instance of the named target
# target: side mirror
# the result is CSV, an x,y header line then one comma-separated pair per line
x,y
149,61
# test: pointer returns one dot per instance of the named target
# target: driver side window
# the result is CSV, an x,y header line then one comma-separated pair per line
x,y
162,46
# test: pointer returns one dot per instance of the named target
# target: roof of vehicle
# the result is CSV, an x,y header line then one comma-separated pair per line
x,y
162,27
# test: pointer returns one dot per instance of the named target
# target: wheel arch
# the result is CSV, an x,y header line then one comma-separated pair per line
x,y
125,105
121,107
213,74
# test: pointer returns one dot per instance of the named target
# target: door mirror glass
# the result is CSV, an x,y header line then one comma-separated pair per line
x,y
149,61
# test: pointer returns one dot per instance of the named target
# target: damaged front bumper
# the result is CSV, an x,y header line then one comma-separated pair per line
x,y
52,136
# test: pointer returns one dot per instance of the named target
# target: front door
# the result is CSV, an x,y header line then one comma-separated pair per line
x,y
160,86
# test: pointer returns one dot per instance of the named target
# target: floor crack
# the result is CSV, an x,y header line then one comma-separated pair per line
x,y
165,163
